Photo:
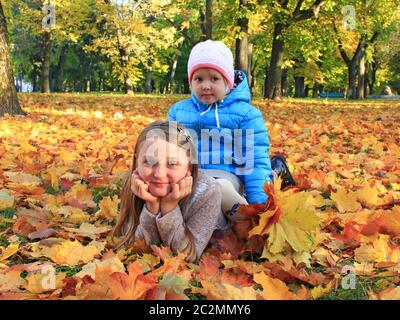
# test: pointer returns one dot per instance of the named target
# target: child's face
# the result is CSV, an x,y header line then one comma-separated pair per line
x,y
208,85
161,164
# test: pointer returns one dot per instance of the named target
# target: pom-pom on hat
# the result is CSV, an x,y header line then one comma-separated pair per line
x,y
212,54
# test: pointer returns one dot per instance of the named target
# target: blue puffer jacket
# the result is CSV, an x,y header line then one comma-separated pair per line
x,y
249,160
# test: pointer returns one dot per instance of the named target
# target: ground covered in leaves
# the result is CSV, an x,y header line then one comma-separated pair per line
x,y
336,236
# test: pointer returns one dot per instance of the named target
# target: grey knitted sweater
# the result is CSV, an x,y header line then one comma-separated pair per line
x,y
201,214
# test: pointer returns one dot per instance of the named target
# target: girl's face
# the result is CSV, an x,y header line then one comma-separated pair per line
x,y
209,85
161,164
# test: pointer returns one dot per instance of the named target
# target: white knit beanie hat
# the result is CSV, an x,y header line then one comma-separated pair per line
x,y
212,54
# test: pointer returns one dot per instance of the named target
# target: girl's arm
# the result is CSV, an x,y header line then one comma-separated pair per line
x,y
192,237
147,228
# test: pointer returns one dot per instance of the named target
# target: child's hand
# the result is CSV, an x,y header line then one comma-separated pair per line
x,y
179,191
141,190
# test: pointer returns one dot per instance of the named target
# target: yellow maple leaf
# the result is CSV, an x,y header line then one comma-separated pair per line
x,y
55,172
368,195
66,251
108,208
68,156
112,263
320,291
378,251
81,193
11,249
88,230
291,222
275,289
346,201
73,215
26,146
225,291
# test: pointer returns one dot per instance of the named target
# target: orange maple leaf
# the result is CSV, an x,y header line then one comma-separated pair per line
x,y
132,286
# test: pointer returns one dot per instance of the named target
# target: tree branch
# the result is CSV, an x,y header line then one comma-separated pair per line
x,y
182,30
374,37
313,11
340,46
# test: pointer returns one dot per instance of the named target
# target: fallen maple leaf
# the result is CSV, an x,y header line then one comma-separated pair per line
x,y
320,291
23,179
68,252
346,201
391,293
378,251
88,230
288,222
11,249
10,280
275,289
225,291
108,208
132,286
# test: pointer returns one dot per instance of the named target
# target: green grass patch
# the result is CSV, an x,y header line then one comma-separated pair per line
x,y
69,271
99,193
3,241
360,292
8,213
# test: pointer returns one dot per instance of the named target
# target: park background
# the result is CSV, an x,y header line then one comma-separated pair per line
x,y
100,71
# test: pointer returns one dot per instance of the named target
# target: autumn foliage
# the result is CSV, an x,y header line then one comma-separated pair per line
x,y
60,175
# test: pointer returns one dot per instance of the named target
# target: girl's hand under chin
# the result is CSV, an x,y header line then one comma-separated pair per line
x,y
141,190
178,192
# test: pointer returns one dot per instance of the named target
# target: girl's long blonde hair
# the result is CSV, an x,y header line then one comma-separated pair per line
x,y
131,206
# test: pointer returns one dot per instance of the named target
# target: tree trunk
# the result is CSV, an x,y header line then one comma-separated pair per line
x,y
128,88
173,72
315,90
366,92
59,77
148,86
373,77
299,87
35,79
352,82
274,89
209,19
173,69
46,62
206,21
284,82
242,43
250,63
306,91
8,95
361,76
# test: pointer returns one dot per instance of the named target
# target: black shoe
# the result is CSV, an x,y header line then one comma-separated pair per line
x,y
280,167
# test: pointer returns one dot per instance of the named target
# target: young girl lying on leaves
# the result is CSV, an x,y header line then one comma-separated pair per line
x,y
165,198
